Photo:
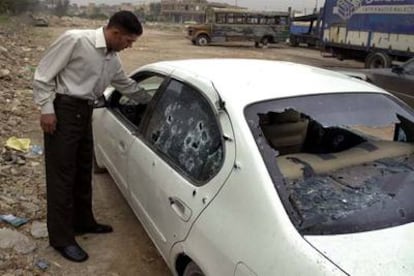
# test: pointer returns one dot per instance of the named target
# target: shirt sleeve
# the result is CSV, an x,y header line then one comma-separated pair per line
x,y
123,83
55,59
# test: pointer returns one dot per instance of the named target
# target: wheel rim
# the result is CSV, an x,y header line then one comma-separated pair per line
x,y
202,41
377,63
378,60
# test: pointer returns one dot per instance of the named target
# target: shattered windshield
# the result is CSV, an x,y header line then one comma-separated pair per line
x,y
342,163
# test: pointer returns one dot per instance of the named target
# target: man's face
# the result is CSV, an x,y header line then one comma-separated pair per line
x,y
121,40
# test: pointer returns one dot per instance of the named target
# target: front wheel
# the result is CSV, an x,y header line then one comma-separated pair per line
x,y
265,41
202,40
192,270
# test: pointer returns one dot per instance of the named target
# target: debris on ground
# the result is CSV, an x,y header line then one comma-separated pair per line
x,y
42,264
39,230
13,220
12,239
22,188
19,144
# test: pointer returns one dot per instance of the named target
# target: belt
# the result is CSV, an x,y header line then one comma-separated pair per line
x,y
72,99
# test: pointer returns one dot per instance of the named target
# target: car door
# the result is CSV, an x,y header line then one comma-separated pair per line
x,y
117,125
180,161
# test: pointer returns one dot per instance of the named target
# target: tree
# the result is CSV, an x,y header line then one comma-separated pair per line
x,y
17,6
61,7
155,11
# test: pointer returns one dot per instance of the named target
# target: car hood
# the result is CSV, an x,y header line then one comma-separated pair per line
x,y
382,252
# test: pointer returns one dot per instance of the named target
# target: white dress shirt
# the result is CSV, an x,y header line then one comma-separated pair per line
x,y
78,64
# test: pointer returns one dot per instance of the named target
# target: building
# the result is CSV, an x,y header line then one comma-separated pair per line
x,y
180,11
127,7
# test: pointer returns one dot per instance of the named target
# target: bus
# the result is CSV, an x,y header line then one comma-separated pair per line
x,y
225,24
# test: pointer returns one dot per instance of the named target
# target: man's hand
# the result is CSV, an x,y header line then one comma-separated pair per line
x,y
48,123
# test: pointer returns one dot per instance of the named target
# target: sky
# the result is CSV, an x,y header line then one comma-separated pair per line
x,y
279,5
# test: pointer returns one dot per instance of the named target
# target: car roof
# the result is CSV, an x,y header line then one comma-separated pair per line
x,y
245,81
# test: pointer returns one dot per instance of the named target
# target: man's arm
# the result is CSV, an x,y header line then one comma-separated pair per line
x,y
123,83
44,83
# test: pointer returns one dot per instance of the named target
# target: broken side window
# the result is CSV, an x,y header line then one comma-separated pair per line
x,y
184,129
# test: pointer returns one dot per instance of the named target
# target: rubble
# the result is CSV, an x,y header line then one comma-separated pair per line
x,y
39,230
5,74
12,239
74,22
42,264
22,188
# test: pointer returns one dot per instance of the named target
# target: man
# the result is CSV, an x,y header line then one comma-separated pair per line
x,y
73,73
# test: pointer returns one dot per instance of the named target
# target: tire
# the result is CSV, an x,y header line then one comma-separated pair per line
x,y
193,42
293,42
264,42
378,60
192,270
202,40
96,168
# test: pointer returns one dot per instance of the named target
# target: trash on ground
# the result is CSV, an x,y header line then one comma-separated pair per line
x,y
42,264
35,151
13,220
19,144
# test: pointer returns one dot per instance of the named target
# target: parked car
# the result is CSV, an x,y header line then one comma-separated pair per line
x,y
39,21
254,167
398,80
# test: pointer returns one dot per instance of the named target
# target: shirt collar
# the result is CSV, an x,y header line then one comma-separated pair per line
x,y
100,38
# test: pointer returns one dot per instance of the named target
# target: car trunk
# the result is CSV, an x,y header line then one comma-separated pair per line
x,y
382,252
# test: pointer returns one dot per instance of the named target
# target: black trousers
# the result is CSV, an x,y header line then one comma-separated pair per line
x,y
68,158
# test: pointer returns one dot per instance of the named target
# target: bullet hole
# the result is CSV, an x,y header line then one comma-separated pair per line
x,y
188,141
204,136
195,145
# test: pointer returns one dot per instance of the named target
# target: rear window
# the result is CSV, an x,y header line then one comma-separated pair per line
x,y
341,163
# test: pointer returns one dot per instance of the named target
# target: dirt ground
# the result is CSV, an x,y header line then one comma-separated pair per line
x,y
129,251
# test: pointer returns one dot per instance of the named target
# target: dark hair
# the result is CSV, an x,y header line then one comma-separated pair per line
x,y
127,21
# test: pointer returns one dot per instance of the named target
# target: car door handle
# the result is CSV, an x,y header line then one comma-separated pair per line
x,y
180,208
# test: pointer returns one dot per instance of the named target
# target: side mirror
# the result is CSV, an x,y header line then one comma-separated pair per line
x,y
398,70
100,102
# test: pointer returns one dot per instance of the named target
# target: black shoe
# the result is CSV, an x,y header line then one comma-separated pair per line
x,y
95,229
73,253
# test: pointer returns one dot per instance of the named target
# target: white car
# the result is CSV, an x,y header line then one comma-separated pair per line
x,y
253,167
